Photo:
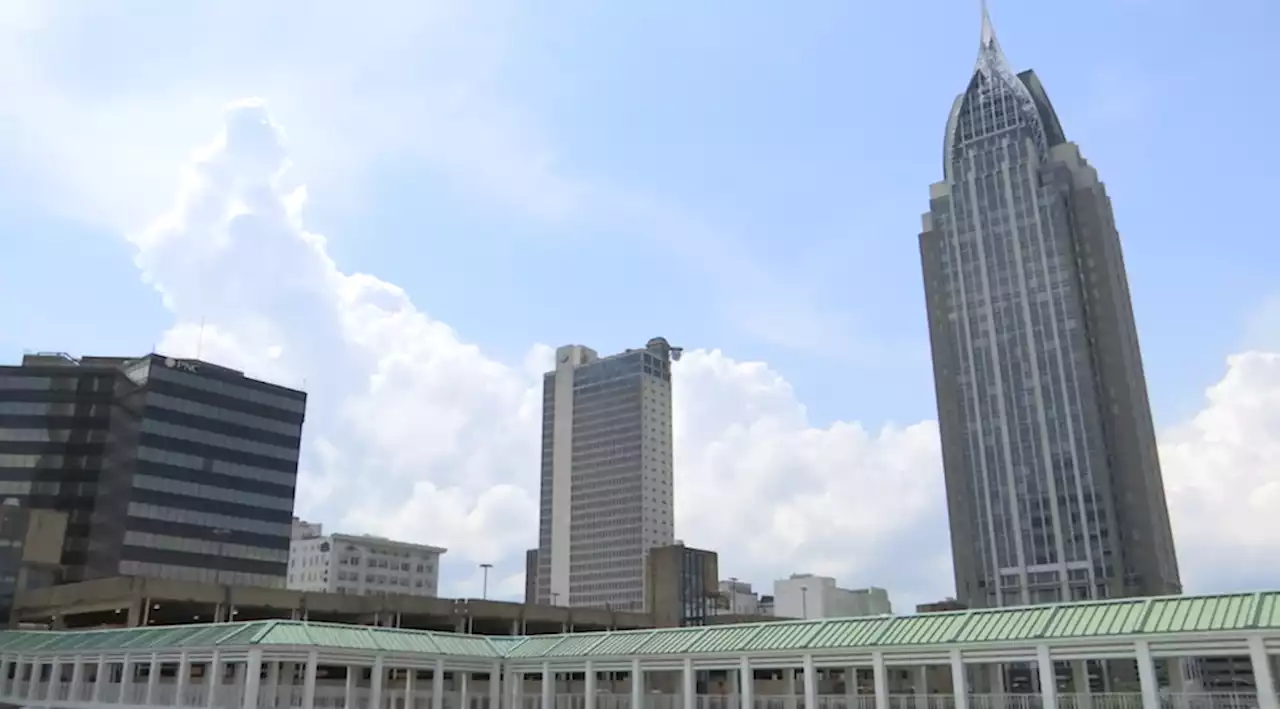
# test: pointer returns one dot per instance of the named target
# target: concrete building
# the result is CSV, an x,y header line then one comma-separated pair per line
x,y
944,606
739,599
680,585
166,468
808,596
1053,482
361,565
531,576
607,466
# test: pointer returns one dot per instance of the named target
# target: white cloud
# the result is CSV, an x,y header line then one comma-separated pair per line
x,y
415,434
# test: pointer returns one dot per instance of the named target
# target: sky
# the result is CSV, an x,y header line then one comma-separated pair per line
x,y
403,206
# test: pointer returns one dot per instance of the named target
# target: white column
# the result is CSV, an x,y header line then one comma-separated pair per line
x,y
1262,678
789,686
810,684
589,686
349,693
153,680
495,686
309,680
126,681
464,689
5,663
410,686
959,681
548,687
273,684
851,687
1048,679
1146,676
76,693
637,684
252,678
213,680
922,687
437,686
180,682
99,681
747,684
690,699
376,677
880,679
515,689
37,667
55,673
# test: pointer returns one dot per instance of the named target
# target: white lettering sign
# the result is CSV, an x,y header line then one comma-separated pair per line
x,y
180,365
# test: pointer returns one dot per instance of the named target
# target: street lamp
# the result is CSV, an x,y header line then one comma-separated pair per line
x,y
484,593
804,602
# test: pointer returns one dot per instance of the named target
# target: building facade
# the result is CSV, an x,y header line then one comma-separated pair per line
x,y
807,596
361,565
1053,481
680,585
607,467
165,468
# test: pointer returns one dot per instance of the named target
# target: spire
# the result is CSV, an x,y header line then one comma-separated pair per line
x,y
990,56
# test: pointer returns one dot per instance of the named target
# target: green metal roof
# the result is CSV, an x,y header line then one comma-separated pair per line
x,y
1086,620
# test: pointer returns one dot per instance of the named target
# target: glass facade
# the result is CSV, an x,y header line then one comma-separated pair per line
x,y
168,468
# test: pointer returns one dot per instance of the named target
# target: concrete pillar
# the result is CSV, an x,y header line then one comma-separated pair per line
x,y
810,683
1262,677
548,687
252,679
100,679
376,679
1081,685
1147,676
213,678
921,687
880,678
851,687
309,680
637,684
126,681
995,680
76,692
495,686
410,686
464,691
746,684
589,686
55,682
349,692
688,685
789,686
1048,680
37,669
959,681
437,685
181,681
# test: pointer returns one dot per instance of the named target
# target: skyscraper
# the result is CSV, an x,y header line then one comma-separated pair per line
x,y
607,461
166,468
1053,482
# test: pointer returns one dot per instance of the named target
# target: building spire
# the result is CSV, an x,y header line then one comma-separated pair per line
x,y
990,56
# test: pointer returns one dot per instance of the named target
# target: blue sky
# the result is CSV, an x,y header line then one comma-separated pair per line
x,y
745,177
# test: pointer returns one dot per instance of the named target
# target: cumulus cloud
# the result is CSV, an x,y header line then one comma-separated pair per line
x,y
413,433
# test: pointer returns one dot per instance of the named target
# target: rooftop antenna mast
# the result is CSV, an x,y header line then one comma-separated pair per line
x,y
200,337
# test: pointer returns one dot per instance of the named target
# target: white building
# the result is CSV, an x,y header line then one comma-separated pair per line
x,y
739,599
809,596
360,565
607,475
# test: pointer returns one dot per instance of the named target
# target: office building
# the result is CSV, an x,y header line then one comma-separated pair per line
x,y
607,465
681,587
531,576
739,599
165,468
809,596
1053,482
360,565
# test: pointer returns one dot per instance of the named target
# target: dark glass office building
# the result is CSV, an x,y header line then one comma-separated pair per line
x,y
165,468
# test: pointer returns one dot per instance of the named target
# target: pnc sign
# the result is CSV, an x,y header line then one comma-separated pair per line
x,y
180,364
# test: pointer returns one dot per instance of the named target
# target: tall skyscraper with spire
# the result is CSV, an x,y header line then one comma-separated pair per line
x,y
1054,489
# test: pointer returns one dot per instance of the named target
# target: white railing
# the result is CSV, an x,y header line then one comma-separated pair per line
x,y
333,695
